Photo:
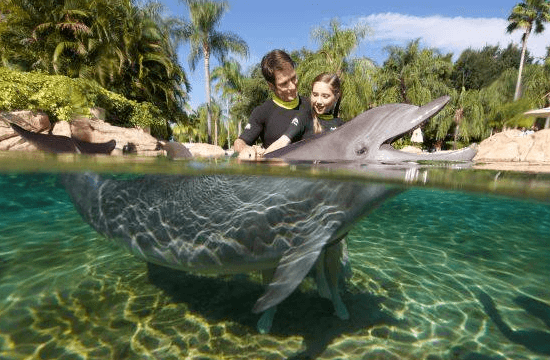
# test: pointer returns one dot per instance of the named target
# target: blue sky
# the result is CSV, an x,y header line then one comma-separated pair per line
x,y
287,24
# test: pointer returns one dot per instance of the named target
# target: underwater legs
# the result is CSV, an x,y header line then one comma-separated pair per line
x,y
330,267
333,271
266,320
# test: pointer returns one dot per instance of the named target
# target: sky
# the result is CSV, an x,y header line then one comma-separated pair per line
x,y
287,24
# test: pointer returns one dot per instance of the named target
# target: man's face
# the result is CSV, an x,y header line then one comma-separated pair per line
x,y
285,86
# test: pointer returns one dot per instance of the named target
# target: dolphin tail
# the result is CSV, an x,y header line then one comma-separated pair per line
x,y
94,148
62,144
48,143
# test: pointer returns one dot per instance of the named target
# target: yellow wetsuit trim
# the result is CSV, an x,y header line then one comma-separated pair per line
x,y
325,116
286,104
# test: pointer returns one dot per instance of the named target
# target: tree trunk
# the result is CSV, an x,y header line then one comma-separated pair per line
x,y
208,103
227,124
547,123
521,61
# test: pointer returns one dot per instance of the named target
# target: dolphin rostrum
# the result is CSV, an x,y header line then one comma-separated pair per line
x,y
367,137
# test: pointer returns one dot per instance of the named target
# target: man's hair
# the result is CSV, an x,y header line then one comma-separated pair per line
x,y
275,60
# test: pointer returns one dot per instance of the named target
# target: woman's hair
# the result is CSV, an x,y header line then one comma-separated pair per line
x,y
335,86
275,60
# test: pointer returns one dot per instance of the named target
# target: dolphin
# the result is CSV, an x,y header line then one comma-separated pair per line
x,y
216,224
223,224
367,137
233,224
61,144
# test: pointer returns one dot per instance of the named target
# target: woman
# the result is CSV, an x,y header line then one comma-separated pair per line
x,y
325,103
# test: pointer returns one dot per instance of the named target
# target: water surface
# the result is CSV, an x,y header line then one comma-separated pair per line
x,y
456,267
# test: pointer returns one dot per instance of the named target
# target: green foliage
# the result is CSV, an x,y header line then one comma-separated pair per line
x,y
510,114
126,48
476,69
63,98
414,75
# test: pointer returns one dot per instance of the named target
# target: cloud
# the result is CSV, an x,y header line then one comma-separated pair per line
x,y
450,34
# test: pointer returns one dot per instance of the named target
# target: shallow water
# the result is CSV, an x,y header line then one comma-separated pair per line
x,y
456,267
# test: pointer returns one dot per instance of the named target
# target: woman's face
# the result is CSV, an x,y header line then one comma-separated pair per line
x,y
322,98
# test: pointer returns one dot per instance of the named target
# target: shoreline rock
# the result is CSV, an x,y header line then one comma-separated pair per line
x,y
95,130
515,146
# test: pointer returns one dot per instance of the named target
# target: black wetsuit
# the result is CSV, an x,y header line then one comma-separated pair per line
x,y
270,121
329,125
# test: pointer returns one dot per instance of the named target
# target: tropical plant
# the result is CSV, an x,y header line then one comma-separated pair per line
x,y
229,81
467,120
253,91
476,69
124,48
413,75
63,98
526,15
497,98
336,45
205,41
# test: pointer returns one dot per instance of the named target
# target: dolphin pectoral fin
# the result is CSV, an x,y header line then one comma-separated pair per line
x,y
293,267
94,148
48,143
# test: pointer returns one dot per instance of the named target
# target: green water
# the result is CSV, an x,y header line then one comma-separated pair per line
x,y
456,267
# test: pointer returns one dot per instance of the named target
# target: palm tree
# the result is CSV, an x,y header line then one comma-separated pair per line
x,y
230,82
125,48
413,75
206,41
524,16
337,44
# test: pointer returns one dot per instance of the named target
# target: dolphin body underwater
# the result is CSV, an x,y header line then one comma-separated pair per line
x,y
225,224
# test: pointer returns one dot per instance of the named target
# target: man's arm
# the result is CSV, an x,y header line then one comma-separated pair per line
x,y
239,145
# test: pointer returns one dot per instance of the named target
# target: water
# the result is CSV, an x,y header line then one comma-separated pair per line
x,y
456,267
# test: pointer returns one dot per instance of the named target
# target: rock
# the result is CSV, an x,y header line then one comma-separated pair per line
x,y
62,128
97,113
205,150
515,145
417,136
35,121
29,120
99,131
9,140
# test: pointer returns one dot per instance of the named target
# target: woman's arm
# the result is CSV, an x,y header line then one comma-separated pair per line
x,y
279,143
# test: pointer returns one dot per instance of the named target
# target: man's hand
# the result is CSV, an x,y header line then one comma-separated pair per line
x,y
252,153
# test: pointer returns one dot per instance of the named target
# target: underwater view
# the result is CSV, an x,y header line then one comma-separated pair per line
x,y
454,266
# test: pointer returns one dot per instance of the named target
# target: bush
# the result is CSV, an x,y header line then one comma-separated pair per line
x,y
64,98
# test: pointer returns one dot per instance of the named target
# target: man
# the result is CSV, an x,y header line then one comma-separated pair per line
x,y
280,120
